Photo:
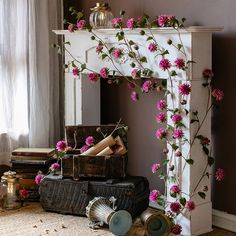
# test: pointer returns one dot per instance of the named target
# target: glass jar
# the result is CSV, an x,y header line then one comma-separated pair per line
x,y
101,16
11,201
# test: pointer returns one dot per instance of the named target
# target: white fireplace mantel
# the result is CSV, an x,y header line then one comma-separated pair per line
x,y
82,98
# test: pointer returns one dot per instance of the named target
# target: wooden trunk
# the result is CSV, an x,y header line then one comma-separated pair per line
x,y
78,166
68,196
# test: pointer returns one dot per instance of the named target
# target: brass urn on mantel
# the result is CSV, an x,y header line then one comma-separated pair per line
x,y
101,16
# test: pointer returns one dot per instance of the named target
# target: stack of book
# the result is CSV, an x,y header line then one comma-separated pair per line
x,y
27,162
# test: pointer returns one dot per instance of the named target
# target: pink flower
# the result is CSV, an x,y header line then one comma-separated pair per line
x,y
161,117
178,154
165,20
220,174
99,49
161,133
152,47
161,105
176,229
131,85
218,94
71,28
130,23
24,193
175,189
205,141
84,148
75,71
190,205
38,178
89,140
180,63
162,20
155,167
55,166
136,74
134,96
104,72
81,24
147,85
117,22
61,146
207,73
93,76
154,194
175,207
117,53
184,89
176,118
178,133
164,64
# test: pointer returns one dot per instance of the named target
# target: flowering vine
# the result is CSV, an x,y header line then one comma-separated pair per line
x,y
142,80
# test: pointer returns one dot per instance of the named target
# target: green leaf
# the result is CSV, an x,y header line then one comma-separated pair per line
x,y
165,162
104,56
160,201
179,46
92,37
199,136
120,37
182,200
172,179
142,32
80,15
193,120
174,146
110,50
173,73
131,54
73,64
189,62
67,42
202,195
149,38
190,161
131,42
205,150
143,59
186,111
83,66
162,176
165,52
132,65
211,161
195,113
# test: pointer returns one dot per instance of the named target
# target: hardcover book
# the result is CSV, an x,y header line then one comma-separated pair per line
x,y
43,152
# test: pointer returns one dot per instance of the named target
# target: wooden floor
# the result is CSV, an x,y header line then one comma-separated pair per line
x,y
219,232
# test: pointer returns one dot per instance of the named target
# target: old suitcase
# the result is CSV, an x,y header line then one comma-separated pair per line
x,y
104,166
68,196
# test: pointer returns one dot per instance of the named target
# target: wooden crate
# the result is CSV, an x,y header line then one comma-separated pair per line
x,y
80,166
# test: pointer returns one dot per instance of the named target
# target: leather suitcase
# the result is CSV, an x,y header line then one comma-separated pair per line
x,y
68,196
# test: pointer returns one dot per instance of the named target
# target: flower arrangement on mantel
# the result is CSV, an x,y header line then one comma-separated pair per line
x,y
141,81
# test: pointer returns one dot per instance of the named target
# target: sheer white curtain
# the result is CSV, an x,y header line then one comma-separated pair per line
x,y
29,74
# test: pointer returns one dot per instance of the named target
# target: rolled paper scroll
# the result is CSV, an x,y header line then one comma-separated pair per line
x,y
106,151
120,148
106,142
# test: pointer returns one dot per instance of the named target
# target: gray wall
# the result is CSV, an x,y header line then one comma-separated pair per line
x,y
143,148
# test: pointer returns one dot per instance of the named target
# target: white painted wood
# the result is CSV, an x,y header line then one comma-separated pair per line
x,y
224,220
197,42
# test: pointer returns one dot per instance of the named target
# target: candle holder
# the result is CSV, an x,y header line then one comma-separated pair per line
x,y
101,210
101,16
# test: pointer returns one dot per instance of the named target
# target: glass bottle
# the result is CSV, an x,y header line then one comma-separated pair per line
x,y
101,16
11,201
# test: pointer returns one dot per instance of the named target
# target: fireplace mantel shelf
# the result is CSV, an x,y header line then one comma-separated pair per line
x,y
82,98
163,30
